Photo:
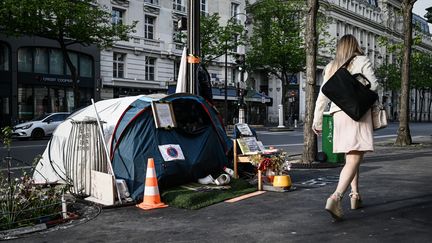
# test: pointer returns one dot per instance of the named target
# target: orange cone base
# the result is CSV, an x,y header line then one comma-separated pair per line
x,y
147,206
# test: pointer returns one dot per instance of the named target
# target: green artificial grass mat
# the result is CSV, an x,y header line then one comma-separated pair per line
x,y
196,196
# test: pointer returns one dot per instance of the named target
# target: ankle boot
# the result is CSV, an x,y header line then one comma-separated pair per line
x,y
333,206
355,200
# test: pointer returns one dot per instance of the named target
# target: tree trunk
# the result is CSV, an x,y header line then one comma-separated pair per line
x,y
73,71
284,86
430,105
310,148
416,105
404,134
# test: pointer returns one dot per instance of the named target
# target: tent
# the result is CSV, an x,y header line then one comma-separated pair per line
x,y
132,137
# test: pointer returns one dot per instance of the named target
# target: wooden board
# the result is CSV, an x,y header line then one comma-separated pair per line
x,y
102,188
252,194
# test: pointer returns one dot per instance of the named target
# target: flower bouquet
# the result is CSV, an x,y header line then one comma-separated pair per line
x,y
272,164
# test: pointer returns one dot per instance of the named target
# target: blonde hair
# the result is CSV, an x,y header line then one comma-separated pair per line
x,y
346,47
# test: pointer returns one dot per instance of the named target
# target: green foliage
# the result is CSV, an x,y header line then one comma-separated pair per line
x,y
216,39
389,75
68,22
420,70
22,203
277,43
6,137
82,21
390,72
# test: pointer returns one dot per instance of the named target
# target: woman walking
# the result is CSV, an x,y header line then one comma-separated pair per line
x,y
353,138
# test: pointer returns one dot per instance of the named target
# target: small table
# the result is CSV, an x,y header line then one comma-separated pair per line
x,y
241,158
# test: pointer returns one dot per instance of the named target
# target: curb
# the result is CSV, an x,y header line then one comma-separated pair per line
x,y
280,129
316,165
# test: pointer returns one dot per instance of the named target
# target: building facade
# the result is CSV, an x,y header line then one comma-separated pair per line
x,y
34,78
33,82
150,60
368,21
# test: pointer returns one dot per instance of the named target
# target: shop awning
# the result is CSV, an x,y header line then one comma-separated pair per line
x,y
255,96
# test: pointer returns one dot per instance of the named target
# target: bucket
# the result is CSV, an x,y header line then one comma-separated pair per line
x,y
282,181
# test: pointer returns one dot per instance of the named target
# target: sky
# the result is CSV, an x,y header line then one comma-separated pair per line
x,y
420,6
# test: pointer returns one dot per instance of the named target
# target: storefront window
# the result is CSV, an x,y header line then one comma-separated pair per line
x,y
69,99
86,67
57,99
56,62
41,60
74,58
41,104
4,57
25,60
25,103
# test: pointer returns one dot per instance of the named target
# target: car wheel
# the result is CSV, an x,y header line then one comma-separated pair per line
x,y
38,133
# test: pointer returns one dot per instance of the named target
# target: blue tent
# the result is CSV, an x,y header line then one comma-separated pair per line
x,y
199,132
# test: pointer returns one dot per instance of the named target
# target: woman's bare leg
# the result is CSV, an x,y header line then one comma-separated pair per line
x,y
349,173
354,182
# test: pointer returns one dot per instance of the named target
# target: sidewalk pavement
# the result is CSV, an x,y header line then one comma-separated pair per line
x,y
395,185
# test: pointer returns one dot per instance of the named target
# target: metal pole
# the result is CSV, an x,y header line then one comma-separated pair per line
x,y
226,84
193,37
241,99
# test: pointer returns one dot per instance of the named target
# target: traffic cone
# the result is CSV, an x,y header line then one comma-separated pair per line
x,y
151,191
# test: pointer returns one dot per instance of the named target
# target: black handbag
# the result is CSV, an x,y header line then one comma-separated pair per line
x,y
348,93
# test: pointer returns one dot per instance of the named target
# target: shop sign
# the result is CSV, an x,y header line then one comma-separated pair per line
x,y
57,80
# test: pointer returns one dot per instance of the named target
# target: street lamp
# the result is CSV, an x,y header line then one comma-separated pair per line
x,y
240,60
226,69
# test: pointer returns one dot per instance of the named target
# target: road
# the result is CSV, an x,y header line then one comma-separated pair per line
x,y
24,152
292,141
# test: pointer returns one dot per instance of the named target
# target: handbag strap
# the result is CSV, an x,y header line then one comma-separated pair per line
x,y
348,61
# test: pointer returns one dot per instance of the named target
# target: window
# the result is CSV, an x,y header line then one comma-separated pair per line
x,y
338,26
176,69
149,27
56,118
118,65
4,58
235,40
25,60
117,16
150,68
40,60
177,34
56,61
234,9
74,59
179,5
155,2
86,66
233,75
203,7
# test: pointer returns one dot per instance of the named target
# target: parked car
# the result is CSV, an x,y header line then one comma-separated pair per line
x,y
39,127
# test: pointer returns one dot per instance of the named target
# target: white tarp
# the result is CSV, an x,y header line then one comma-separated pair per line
x,y
51,166
181,80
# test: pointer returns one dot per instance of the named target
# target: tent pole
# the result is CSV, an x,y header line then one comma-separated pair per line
x,y
106,152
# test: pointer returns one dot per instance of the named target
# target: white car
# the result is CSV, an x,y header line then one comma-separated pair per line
x,y
39,127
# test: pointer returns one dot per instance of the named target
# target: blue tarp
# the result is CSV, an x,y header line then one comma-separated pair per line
x,y
199,133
